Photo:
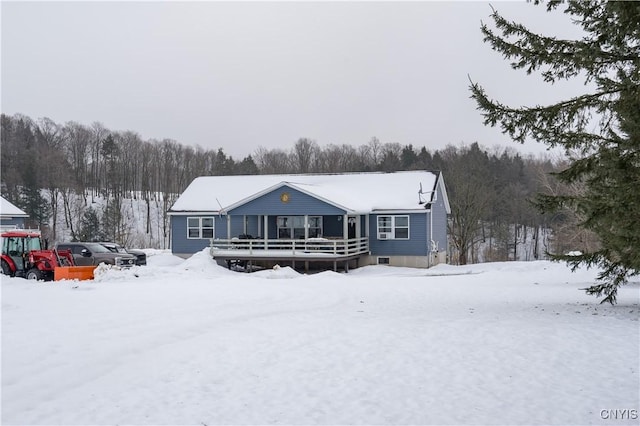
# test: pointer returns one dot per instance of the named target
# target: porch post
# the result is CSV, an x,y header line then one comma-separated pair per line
x,y
358,227
228,227
366,225
266,230
306,226
345,227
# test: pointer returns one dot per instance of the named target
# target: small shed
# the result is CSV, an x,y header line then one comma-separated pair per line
x,y
10,215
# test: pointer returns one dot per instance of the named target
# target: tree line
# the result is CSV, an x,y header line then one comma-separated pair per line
x,y
47,165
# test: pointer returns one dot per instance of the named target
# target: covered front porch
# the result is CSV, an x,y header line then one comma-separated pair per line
x,y
296,240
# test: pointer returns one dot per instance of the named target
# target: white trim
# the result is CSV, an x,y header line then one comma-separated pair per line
x,y
367,225
443,190
194,213
265,234
397,212
391,235
200,228
345,226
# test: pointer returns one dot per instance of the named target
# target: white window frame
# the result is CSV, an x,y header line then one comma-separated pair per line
x,y
390,231
203,231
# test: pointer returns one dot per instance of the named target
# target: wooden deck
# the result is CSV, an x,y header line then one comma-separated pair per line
x,y
291,251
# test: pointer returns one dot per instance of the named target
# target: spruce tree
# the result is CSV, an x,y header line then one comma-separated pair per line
x,y
31,200
606,160
90,229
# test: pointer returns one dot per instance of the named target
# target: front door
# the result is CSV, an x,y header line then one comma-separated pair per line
x,y
352,227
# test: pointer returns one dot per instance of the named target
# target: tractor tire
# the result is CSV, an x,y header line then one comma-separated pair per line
x,y
6,270
34,274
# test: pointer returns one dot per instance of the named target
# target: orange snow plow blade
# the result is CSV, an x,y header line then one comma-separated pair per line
x,y
73,273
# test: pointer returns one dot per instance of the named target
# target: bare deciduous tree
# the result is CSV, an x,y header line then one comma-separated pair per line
x,y
303,155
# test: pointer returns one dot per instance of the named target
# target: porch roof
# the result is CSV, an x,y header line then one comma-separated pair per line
x,y
356,192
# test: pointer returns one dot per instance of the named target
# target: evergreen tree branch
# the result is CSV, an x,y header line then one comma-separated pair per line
x,y
608,161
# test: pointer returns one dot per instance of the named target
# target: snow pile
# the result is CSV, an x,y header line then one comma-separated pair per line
x,y
150,252
161,258
104,272
202,263
277,272
190,342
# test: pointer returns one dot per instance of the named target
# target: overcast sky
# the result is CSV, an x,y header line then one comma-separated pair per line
x,y
238,75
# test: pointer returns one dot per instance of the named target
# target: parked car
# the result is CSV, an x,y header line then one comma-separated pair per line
x,y
141,257
86,254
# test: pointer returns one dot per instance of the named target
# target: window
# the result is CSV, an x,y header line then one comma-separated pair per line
x,y
199,227
33,243
315,226
15,246
393,227
293,226
284,227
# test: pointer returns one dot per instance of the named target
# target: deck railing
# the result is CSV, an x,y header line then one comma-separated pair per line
x,y
258,247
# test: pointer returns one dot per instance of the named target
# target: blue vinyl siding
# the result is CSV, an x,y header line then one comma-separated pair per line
x,y
182,244
299,204
416,245
253,227
237,226
440,221
332,226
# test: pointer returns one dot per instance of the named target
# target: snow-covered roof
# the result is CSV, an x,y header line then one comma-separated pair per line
x,y
9,210
355,192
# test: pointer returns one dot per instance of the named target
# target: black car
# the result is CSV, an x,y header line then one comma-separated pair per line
x,y
86,254
141,257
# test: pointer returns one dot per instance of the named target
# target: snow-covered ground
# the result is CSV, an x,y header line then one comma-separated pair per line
x,y
189,342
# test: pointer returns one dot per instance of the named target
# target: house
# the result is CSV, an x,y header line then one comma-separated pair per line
x,y
395,218
11,216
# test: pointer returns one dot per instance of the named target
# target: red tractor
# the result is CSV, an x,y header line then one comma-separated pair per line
x,y
23,255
